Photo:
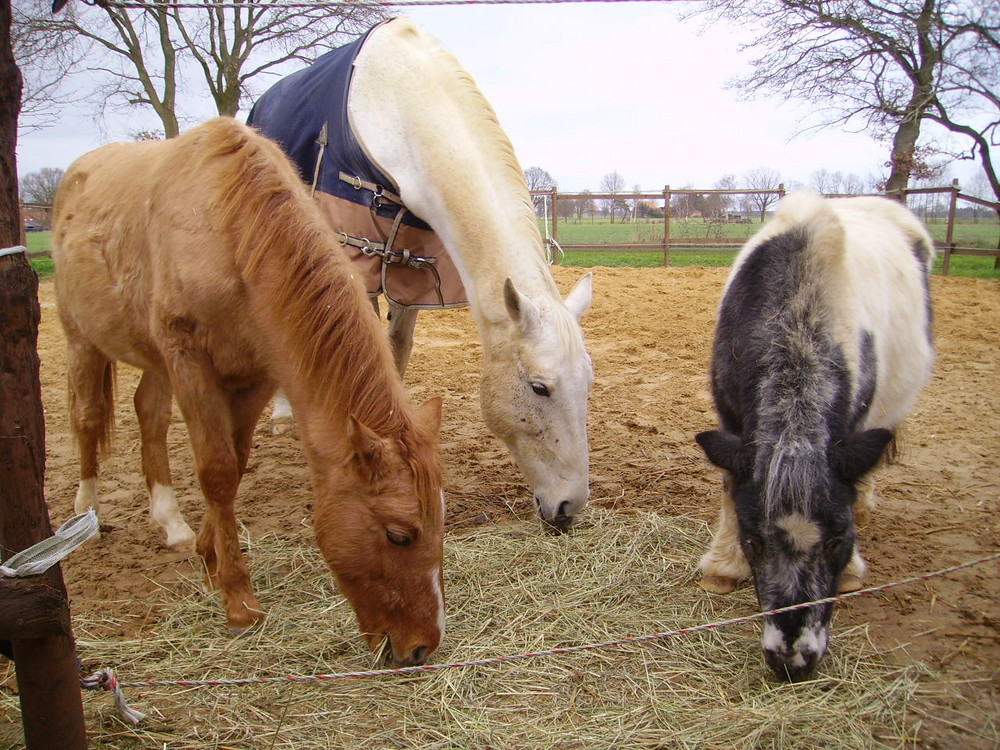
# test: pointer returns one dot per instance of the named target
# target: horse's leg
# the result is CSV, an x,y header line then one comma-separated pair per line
x,y
207,412
246,406
724,566
152,405
853,576
91,396
402,322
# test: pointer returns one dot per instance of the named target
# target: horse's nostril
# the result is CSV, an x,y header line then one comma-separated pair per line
x,y
562,508
419,655
538,503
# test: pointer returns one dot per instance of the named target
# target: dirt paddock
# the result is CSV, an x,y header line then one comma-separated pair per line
x,y
648,332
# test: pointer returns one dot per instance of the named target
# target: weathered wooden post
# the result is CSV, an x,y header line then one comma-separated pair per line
x,y
949,238
35,615
666,225
47,677
555,226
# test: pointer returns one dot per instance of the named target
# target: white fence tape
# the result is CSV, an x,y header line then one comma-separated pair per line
x,y
40,557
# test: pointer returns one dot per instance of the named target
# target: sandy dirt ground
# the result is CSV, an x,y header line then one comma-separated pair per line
x,y
649,332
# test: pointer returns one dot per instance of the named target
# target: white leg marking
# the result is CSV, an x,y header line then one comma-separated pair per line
x,y
86,496
282,420
725,558
853,576
163,508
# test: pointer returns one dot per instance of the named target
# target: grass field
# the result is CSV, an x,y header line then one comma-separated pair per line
x,y
982,235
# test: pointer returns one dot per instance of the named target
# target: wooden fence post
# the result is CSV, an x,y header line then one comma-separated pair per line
x,y
666,225
48,681
555,228
949,237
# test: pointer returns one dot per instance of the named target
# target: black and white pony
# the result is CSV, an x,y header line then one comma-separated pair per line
x,y
822,346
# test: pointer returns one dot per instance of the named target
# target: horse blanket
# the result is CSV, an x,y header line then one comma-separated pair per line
x,y
306,114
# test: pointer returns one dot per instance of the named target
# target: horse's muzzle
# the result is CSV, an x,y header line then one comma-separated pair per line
x,y
559,523
415,658
792,670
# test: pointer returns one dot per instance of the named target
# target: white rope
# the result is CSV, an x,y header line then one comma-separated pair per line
x,y
38,558
13,250
105,679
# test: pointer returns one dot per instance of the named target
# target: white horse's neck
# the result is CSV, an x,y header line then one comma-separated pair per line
x,y
468,185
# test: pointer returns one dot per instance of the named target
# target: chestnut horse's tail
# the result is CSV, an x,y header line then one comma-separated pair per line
x,y
101,413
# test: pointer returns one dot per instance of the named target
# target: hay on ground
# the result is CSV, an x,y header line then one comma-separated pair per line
x,y
510,589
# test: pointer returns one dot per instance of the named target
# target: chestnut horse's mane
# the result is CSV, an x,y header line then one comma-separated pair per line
x,y
301,282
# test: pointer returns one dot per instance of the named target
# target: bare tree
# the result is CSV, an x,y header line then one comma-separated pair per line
x,y
633,203
612,183
826,182
146,56
538,179
45,60
40,187
852,185
720,204
762,178
883,65
584,205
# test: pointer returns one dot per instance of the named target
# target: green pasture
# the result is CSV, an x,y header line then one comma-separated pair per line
x,y
602,232
982,235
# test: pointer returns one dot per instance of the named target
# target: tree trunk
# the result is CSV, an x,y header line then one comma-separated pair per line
x,y
47,678
901,162
11,230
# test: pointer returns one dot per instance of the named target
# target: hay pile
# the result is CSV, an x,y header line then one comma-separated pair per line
x,y
510,589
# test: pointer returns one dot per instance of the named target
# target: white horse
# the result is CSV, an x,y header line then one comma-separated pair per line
x,y
419,117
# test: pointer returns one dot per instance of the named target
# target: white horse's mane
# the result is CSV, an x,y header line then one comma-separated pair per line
x,y
479,110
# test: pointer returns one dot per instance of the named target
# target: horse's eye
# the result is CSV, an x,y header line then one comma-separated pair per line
x,y
540,388
832,546
398,538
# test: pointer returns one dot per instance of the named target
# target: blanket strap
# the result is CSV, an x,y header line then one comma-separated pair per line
x,y
381,195
322,140
384,249
371,248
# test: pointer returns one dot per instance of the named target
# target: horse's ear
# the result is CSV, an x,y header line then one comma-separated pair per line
x,y
855,455
725,450
580,297
368,449
429,414
521,309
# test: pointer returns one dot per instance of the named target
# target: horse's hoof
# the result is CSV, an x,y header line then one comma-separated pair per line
x,y
718,584
848,583
283,427
182,542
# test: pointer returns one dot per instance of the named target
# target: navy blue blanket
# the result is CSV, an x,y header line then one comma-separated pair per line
x,y
293,112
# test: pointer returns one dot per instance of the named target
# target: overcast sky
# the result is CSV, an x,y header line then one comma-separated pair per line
x,y
586,89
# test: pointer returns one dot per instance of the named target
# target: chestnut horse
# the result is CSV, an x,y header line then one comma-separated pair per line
x,y
203,261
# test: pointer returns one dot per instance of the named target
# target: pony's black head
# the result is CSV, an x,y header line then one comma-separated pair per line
x,y
797,537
